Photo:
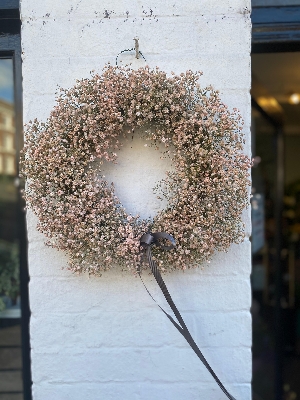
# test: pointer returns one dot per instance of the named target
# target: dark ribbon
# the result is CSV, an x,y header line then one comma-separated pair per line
x,y
147,240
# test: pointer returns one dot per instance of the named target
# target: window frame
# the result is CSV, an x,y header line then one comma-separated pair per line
x,y
10,47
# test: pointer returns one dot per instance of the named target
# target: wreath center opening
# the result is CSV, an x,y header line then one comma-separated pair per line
x,y
141,165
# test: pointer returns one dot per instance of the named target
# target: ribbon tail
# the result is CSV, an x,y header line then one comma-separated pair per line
x,y
182,328
177,326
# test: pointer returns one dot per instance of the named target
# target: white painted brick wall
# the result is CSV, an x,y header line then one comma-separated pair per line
x,y
104,338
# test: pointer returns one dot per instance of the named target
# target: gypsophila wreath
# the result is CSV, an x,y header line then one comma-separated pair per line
x,y
78,209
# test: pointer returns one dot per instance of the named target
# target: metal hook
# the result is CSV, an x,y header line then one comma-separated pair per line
x,y
136,46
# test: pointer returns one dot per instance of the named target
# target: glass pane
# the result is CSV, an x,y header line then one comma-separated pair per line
x,y
10,325
9,247
263,273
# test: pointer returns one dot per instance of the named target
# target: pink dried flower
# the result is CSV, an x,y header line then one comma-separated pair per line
x,y
79,212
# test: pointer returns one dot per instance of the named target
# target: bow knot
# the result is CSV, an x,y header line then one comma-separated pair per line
x,y
154,238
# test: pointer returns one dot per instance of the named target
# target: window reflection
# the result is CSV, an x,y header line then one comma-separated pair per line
x,y
9,245
12,350
263,272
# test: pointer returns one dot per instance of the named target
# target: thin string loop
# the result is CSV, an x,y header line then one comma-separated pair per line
x,y
126,50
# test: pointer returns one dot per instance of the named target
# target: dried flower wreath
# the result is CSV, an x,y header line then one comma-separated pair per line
x,y
78,209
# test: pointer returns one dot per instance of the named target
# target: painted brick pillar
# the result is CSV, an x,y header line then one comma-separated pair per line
x,y
104,338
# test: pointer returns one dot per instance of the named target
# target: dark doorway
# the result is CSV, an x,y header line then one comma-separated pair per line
x,y
276,202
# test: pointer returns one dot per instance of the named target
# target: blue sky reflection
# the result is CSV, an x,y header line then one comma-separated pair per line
x,y
6,80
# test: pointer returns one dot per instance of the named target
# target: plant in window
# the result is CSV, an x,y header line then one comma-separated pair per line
x,y
9,272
